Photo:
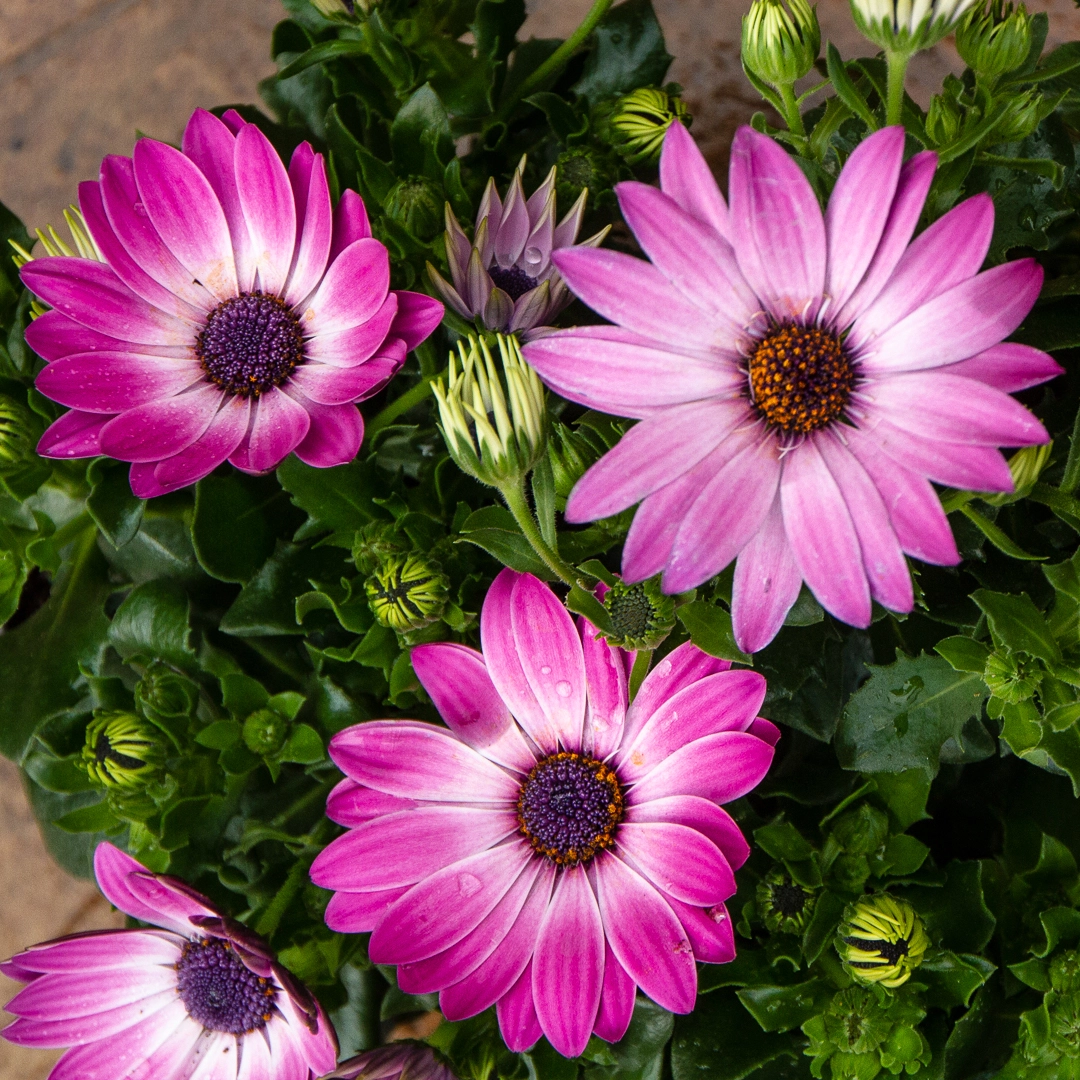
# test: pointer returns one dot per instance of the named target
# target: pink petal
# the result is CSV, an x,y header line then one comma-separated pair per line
x,y
144,485
278,427
90,293
255,1062
709,930
187,215
401,849
161,428
725,516
765,730
947,253
568,965
102,950
859,209
419,761
149,1013
720,768
109,382
350,223
211,144
316,227
616,998
697,813
177,1056
347,348
213,447
457,681
352,291
266,197
64,996
330,385
74,435
334,436
516,1011
1010,367
634,468
442,909
686,177
509,239
349,803
767,583
822,536
53,336
886,570
417,317
645,936
626,375
360,913
960,323
776,226
679,861
605,678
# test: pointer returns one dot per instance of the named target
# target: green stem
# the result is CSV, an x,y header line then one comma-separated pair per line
x,y
792,116
300,677
271,916
557,60
399,405
514,494
642,662
897,67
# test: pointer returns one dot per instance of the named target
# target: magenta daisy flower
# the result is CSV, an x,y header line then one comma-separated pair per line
x,y
505,276
236,314
200,998
557,847
799,378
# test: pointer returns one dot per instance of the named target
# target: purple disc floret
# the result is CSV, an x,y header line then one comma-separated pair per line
x,y
558,847
235,315
799,379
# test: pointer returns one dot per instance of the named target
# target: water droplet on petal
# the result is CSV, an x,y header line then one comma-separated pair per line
x,y
663,669
468,884
683,947
668,720
545,670
563,688
140,209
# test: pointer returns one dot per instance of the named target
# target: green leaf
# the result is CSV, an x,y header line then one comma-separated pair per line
x,y
420,136
95,818
806,611
319,54
904,714
116,511
48,648
1017,623
543,486
956,913
904,855
628,52
219,735
1060,925
564,121
242,695
231,531
782,1008
845,88
782,841
821,928
153,622
1065,576
639,1054
494,529
905,795
338,500
963,653
997,537
303,747
710,629
58,774
952,979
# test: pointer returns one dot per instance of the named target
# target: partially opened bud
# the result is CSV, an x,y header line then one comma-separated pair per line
x,y
907,26
121,751
407,592
642,615
640,121
780,43
417,206
994,40
399,1061
881,940
783,903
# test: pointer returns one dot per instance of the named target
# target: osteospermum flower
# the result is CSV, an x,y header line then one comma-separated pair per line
x,y
201,998
401,1061
505,277
799,379
556,848
236,315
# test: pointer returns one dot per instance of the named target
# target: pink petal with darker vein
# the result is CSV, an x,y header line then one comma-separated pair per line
x,y
161,428
516,1011
75,435
266,197
1010,367
109,382
279,425
213,447
685,176
616,1000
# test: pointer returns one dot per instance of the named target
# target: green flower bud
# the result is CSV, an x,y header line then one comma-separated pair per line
x,y
495,425
907,26
881,940
343,10
407,592
162,692
639,122
122,751
570,455
265,732
784,904
780,44
1025,465
994,40
416,205
581,169
1022,117
18,433
861,831
1012,677
1065,972
643,616
945,120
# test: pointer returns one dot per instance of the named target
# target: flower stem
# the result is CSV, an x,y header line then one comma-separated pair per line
x,y
642,662
557,60
399,405
514,494
792,116
897,63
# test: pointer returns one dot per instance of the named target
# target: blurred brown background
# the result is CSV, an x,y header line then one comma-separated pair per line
x,y
78,77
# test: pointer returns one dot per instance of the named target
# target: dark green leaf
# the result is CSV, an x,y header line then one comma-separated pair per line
x,y
821,928
710,629
319,54
59,774
639,1055
337,500
242,695
420,135
996,536
806,611
1017,623
783,841
494,529
905,795
951,979
782,1008
220,735
94,818
231,531
153,622
304,746
956,913
116,511
963,653
845,88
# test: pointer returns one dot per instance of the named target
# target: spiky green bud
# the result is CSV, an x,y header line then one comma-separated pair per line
x,y
994,39
122,752
18,433
417,206
944,120
642,615
640,120
265,732
1022,117
407,592
343,10
881,940
493,417
780,43
581,169
907,26
784,904
1012,677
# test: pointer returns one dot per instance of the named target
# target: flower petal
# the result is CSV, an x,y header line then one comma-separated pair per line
x,y
568,965
417,317
315,230
360,913
1010,367
278,426
161,428
207,452
75,435
331,385
679,861
347,348
350,223
350,803
516,1011
352,291
109,382
334,436
686,177
146,1014
605,678
53,336
616,999
64,996
457,681
102,950
709,930
696,813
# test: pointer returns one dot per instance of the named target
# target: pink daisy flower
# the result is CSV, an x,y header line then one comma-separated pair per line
x,y
800,379
236,315
201,998
558,847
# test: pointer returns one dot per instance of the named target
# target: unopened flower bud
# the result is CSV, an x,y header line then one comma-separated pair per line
x,y
580,170
343,10
881,940
780,43
164,693
1012,678
494,422
861,831
907,26
18,433
265,732
639,121
121,752
945,120
570,455
417,206
784,904
1065,972
399,1061
1020,120
994,40
407,592
641,614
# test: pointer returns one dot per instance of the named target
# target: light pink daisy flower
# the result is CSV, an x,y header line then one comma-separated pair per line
x,y
236,314
558,847
505,277
800,379
202,998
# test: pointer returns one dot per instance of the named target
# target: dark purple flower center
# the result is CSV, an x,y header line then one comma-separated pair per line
x,y
220,991
569,806
250,344
788,899
514,282
800,378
